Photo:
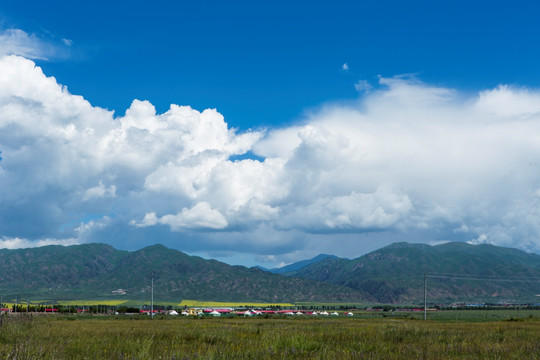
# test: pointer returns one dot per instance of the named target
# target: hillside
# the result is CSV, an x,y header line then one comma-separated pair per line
x,y
394,273
100,271
291,268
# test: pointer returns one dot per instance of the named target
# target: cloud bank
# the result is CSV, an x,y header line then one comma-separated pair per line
x,y
409,161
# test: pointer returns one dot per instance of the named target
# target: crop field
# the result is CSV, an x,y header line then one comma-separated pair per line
x,y
137,303
139,337
92,302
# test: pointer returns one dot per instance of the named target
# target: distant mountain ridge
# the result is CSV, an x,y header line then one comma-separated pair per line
x,y
394,273
289,269
100,271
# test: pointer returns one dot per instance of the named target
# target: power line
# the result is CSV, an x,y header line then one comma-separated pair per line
x,y
455,276
451,276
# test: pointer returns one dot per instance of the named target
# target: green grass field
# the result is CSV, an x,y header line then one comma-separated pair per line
x,y
138,337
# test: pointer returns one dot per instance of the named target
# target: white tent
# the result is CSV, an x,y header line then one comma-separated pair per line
x,y
350,314
289,313
334,314
215,313
299,313
324,313
173,312
185,313
314,313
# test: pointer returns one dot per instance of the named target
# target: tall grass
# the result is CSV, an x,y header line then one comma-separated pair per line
x,y
70,337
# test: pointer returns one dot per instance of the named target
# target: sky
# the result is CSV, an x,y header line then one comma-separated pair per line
x,y
267,133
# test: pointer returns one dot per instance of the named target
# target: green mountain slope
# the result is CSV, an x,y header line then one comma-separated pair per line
x,y
100,271
284,270
55,269
395,273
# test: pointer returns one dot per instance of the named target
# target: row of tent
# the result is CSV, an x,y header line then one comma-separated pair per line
x,y
292,313
256,312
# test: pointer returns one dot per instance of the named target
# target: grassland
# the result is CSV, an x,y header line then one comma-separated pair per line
x,y
138,337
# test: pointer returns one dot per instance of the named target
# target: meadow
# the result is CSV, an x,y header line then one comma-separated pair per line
x,y
139,337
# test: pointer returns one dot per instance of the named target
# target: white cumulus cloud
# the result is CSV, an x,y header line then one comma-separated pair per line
x,y
199,216
409,162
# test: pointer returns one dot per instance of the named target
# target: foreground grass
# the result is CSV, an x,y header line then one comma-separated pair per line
x,y
57,337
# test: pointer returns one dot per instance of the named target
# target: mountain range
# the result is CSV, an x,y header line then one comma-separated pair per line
x,y
393,274
98,271
455,271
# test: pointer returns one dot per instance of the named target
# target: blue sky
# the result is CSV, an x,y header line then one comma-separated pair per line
x,y
266,63
339,127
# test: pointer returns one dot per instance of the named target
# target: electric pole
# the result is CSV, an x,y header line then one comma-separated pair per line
x,y
425,297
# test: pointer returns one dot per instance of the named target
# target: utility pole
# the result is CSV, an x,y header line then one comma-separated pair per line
x,y
152,303
425,297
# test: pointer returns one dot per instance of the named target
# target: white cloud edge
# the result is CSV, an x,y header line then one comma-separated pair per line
x,y
19,243
18,42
